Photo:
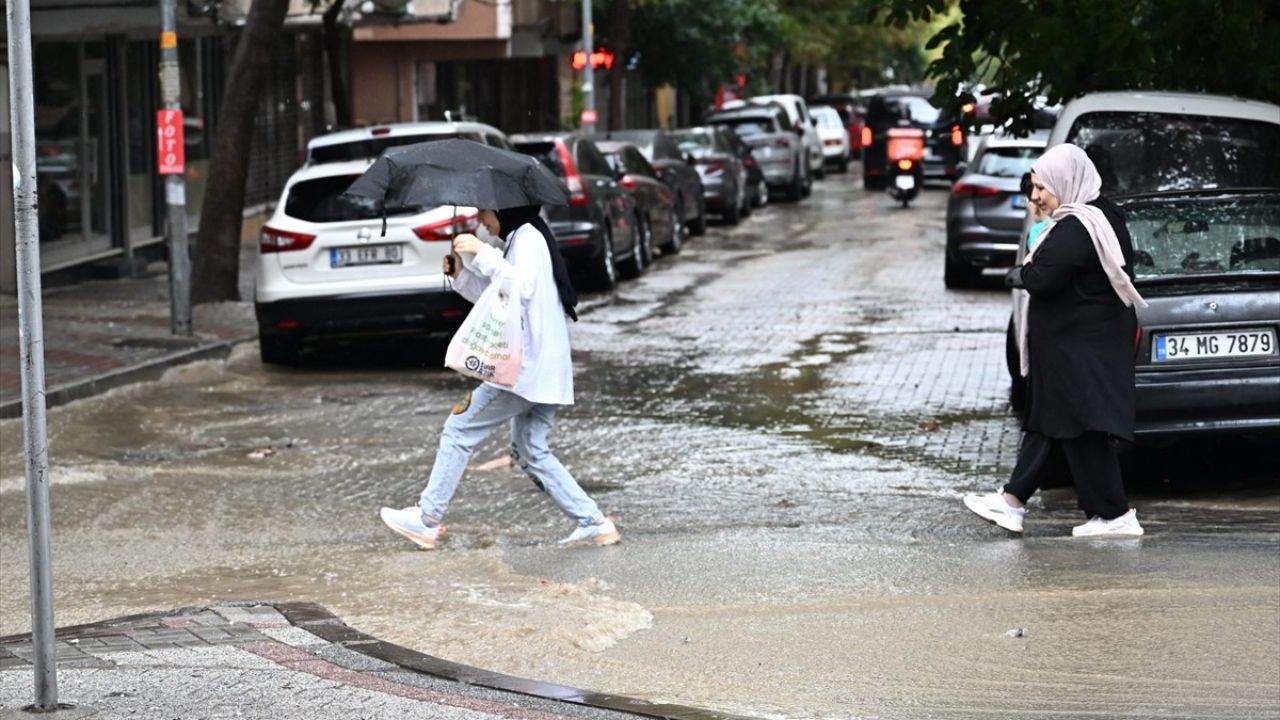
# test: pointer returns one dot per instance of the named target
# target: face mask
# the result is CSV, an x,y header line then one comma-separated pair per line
x,y
489,238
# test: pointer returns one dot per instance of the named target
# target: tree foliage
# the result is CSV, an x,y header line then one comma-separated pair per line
x,y
698,44
1060,49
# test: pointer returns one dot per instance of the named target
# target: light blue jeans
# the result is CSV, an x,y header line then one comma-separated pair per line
x,y
472,421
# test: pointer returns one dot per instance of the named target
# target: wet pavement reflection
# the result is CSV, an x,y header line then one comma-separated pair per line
x,y
783,418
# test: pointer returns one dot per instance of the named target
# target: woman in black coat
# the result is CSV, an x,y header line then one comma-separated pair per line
x,y
1076,350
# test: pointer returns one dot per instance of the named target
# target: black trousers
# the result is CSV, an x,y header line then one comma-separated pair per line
x,y
1090,461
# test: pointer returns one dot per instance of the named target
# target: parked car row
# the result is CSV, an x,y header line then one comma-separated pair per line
x,y
333,269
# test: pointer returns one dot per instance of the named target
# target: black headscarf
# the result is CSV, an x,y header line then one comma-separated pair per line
x,y
511,219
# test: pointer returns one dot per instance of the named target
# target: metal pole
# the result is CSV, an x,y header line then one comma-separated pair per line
x,y
175,186
31,342
588,84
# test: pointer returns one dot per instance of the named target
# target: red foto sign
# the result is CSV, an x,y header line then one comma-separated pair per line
x,y
170,154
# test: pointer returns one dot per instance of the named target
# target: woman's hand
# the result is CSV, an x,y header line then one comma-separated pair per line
x,y
467,243
451,264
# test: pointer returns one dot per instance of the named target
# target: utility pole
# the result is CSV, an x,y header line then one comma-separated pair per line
x,y
31,334
171,157
588,85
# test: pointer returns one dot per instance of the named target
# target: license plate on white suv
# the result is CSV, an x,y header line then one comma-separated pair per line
x,y
365,255
1248,342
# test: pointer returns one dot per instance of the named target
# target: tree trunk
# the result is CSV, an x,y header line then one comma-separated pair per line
x,y
313,83
334,42
216,260
620,38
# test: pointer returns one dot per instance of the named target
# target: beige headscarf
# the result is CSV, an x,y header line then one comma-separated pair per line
x,y
1068,173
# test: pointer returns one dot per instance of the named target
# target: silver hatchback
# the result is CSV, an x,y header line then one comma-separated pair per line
x,y
986,208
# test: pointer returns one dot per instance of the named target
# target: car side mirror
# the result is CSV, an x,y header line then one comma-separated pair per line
x,y
1025,189
688,158
961,168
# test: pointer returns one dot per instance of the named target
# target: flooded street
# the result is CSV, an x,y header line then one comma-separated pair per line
x,y
783,418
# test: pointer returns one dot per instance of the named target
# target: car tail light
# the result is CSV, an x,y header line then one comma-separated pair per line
x,y
272,240
830,142
957,135
749,161
380,131
904,164
866,136
972,190
577,191
713,167
448,228
628,182
1137,340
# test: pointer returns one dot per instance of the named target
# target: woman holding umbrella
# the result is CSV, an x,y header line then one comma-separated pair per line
x,y
535,269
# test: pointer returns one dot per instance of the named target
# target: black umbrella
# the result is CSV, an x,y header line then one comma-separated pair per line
x,y
456,172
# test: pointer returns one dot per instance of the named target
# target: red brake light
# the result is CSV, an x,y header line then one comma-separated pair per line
x,y
974,190
866,136
714,167
957,135
1137,340
448,228
628,182
380,131
271,240
577,191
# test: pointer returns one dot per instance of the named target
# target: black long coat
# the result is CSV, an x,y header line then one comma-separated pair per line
x,y
1080,336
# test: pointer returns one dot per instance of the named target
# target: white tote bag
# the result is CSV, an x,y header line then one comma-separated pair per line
x,y
490,344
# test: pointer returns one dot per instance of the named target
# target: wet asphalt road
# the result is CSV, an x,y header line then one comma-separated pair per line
x,y
783,418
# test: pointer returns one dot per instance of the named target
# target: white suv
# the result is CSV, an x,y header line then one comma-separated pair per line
x,y
327,269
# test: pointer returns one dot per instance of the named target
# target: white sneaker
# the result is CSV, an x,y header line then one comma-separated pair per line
x,y
408,522
995,508
1124,526
602,533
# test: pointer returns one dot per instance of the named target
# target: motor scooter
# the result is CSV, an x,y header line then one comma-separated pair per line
x,y
904,160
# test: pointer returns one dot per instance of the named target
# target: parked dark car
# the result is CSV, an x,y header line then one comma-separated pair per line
x,y
674,169
777,150
655,202
724,178
986,208
944,137
596,230
757,187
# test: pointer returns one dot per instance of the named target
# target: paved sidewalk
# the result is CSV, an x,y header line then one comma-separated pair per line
x,y
102,334
281,661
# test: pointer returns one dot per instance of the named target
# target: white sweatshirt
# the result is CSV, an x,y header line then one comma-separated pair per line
x,y
546,370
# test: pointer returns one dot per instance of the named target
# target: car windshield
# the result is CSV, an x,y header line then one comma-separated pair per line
x,y
373,147
748,126
1140,152
1009,162
694,143
1186,237
912,107
828,119
319,201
